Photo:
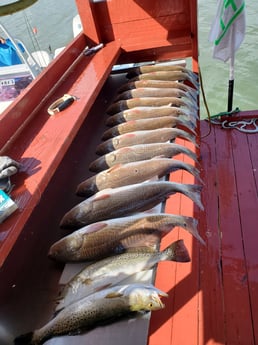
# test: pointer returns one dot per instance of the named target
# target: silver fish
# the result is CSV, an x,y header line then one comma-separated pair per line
x,y
130,173
168,75
150,102
112,270
126,200
138,153
148,124
115,236
159,135
150,112
89,312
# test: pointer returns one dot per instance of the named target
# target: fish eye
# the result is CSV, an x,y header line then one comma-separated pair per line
x,y
150,305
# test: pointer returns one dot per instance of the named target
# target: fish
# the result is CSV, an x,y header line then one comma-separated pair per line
x,y
168,75
112,270
101,307
148,124
131,173
150,112
150,102
159,135
138,153
158,84
159,67
152,92
126,200
116,235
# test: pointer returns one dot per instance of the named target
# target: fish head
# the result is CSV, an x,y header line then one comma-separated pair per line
x,y
146,298
66,249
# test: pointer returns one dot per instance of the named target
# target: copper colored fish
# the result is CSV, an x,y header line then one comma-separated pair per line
x,y
138,153
152,92
130,173
157,84
159,135
168,75
138,113
148,124
150,102
126,200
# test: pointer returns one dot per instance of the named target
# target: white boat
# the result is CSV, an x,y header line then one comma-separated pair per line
x,y
14,78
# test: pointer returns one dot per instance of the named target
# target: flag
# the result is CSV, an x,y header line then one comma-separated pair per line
x,y
228,29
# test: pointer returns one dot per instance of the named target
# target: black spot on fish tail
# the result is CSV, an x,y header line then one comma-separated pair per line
x,y
24,339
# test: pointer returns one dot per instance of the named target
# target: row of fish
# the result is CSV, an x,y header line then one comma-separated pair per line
x,y
114,227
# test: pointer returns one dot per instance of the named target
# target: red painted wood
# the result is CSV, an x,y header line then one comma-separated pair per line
x,y
42,144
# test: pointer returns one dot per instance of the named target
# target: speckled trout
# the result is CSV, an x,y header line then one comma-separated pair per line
x,y
126,200
103,306
149,124
138,153
117,235
133,172
112,270
159,135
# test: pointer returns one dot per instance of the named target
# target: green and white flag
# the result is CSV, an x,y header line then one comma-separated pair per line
x,y
228,29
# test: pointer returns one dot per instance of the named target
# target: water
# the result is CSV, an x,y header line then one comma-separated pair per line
x,y
54,28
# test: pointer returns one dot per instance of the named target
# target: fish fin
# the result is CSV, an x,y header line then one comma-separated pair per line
x,y
24,339
148,240
102,287
114,295
178,252
114,168
96,227
102,195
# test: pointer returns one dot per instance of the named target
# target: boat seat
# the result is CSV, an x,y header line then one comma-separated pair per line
x,y
39,141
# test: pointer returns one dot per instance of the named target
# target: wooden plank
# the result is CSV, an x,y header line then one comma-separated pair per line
x,y
166,326
211,316
248,207
236,295
42,145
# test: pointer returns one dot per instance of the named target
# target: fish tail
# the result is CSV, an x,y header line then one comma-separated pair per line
x,y
177,251
24,339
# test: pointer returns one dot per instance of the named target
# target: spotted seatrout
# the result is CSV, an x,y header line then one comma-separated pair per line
x,y
150,112
115,236
103,306
148,124
126,200
159,135
131,173
150,102
112,270
139,152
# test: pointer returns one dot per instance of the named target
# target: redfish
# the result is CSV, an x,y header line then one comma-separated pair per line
x,y
158,84
168,75
130,173
104,306
150,112
148,124
114,236
112,270
150,102
159,135
152,92
138,153
126,200
159,67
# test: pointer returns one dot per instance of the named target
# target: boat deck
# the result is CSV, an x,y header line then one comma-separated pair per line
x,y
214,298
